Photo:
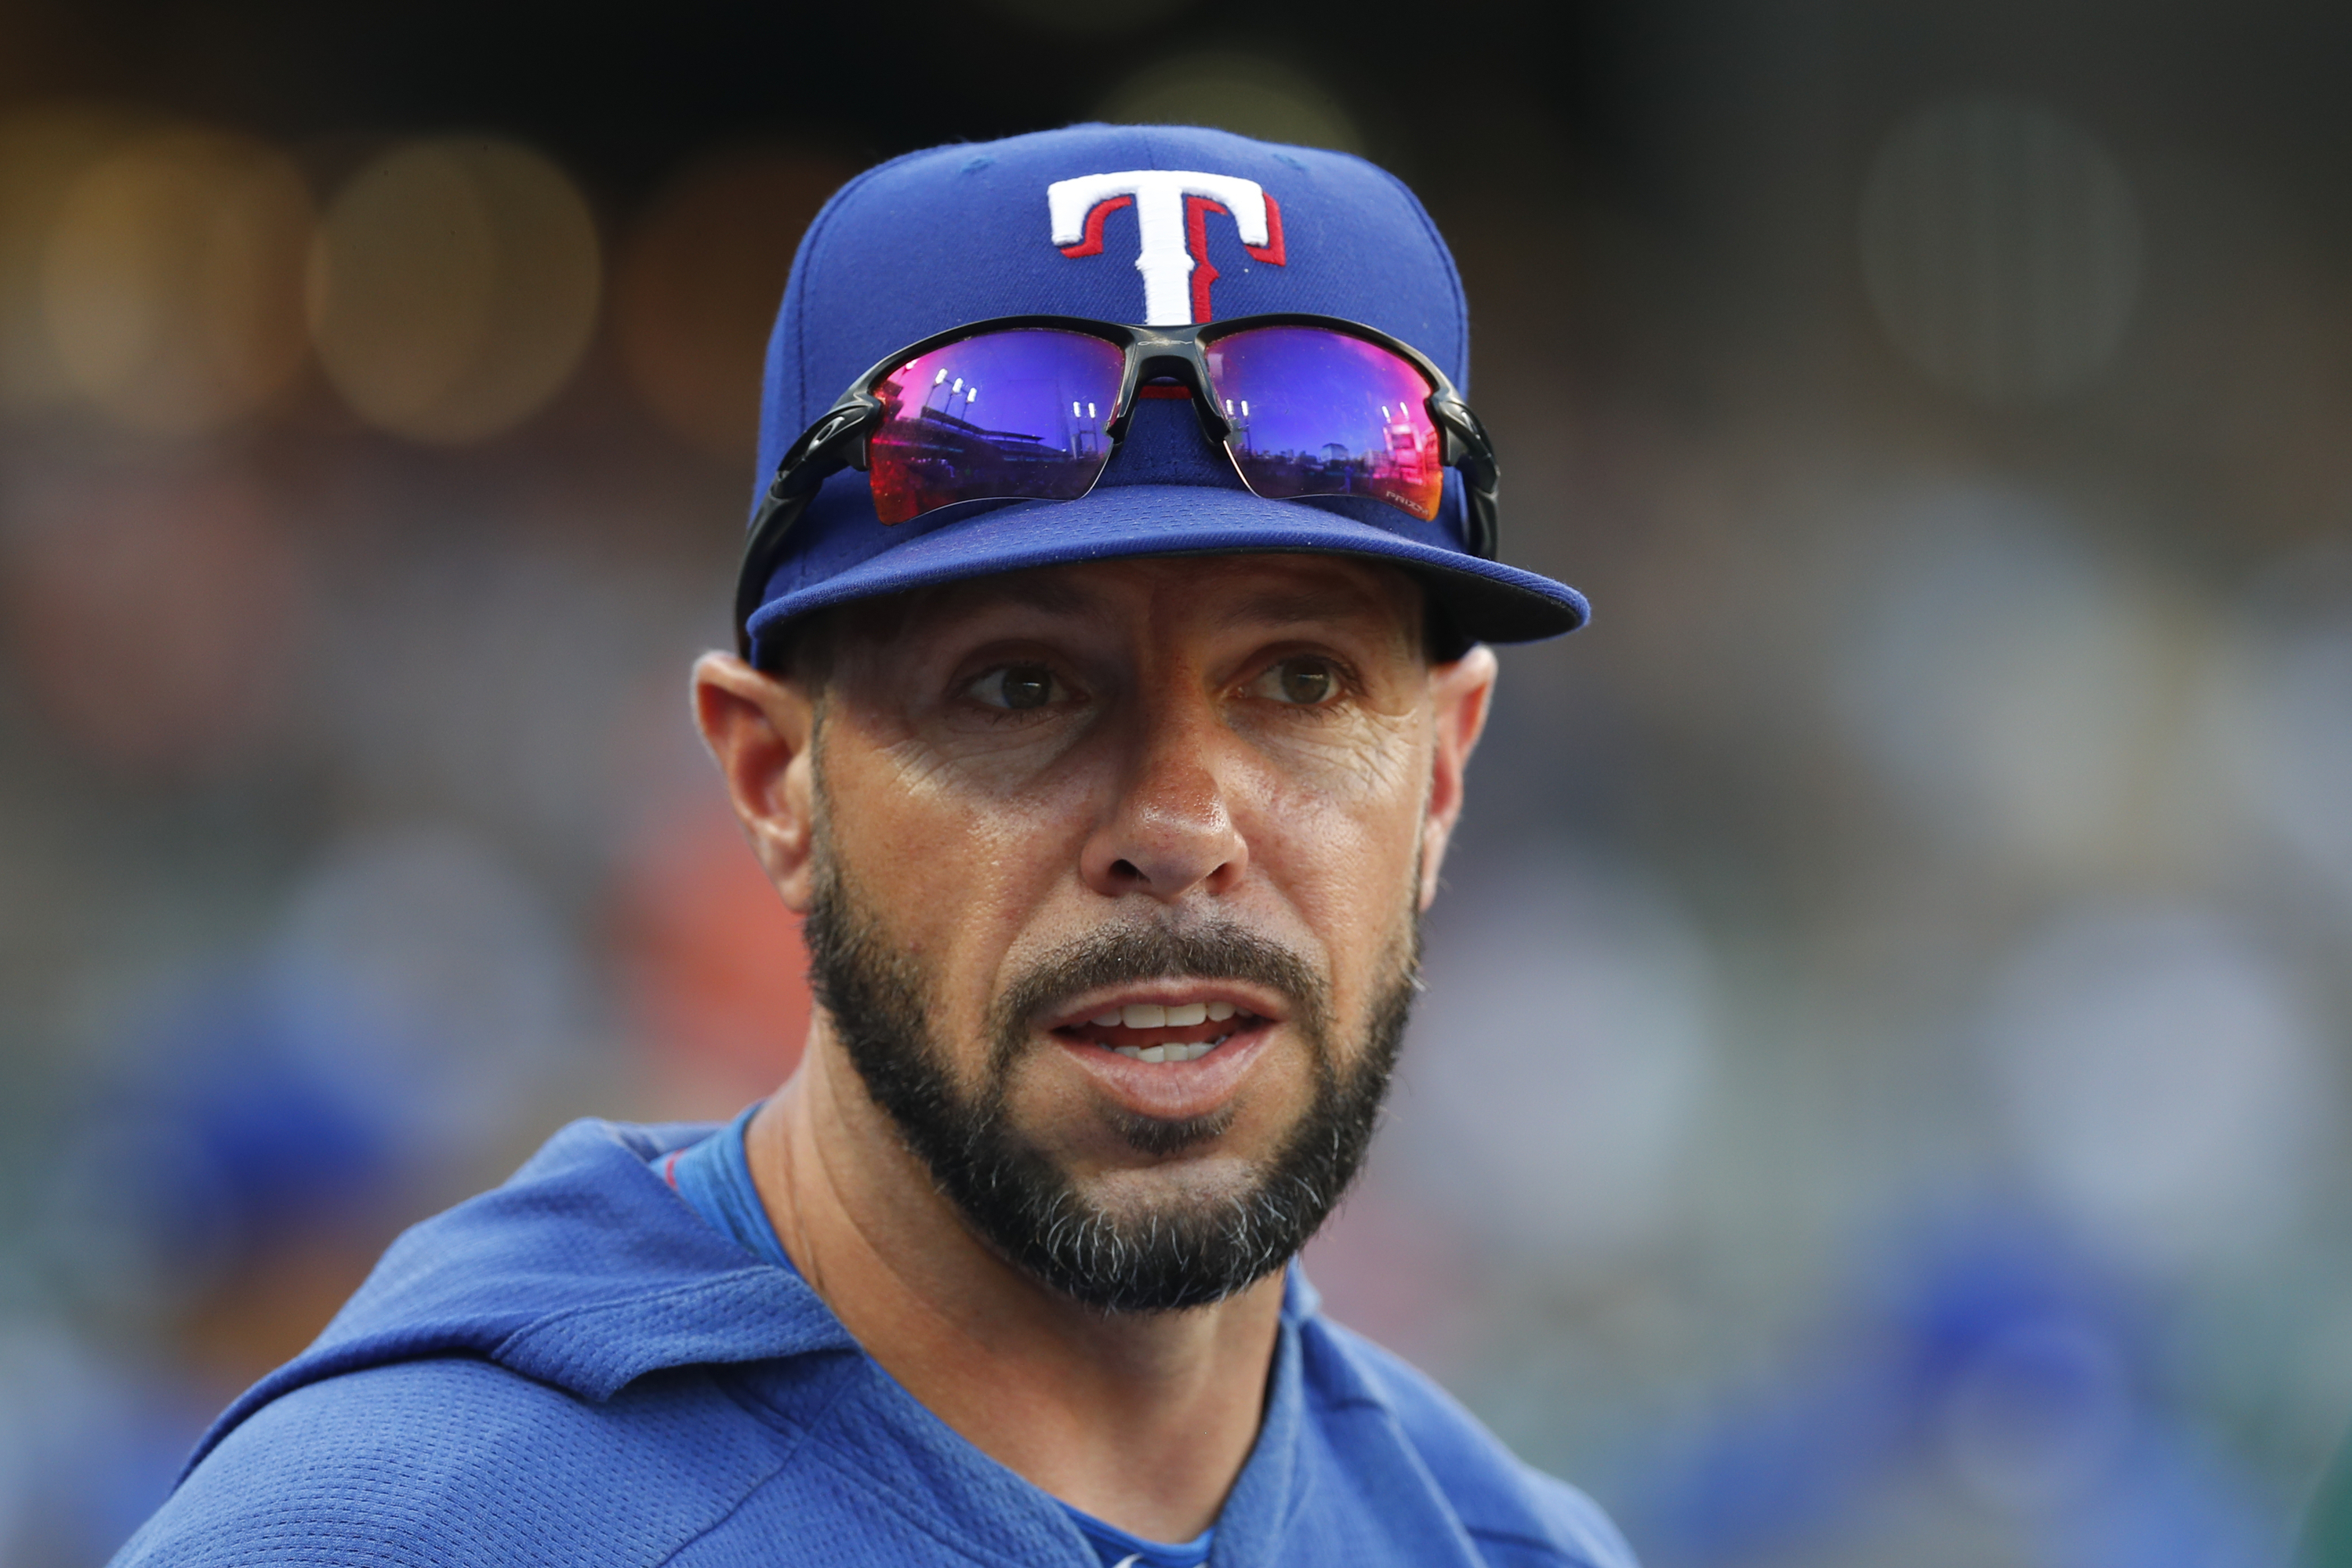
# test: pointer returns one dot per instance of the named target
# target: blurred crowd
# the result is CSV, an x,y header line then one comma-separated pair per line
x,y
1882,1088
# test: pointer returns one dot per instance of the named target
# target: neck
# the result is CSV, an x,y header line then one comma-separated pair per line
x,y
1142,1420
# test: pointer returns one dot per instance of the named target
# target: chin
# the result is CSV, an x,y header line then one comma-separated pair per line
x,y
1177,1188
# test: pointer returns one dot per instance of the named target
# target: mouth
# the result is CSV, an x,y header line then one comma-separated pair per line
x,y
1172,1050
1163,1030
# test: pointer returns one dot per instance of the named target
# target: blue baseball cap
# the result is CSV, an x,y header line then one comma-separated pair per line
x,y
1086,222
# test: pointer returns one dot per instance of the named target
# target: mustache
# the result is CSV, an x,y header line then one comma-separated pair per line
x,y
1123,954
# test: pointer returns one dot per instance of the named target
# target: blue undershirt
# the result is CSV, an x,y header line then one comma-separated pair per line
x,y
714,1177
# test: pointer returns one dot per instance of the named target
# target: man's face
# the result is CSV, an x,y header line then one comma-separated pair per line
x,y
1118,873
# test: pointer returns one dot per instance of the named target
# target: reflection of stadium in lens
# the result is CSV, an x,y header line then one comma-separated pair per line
x,y
1319,413
1012,415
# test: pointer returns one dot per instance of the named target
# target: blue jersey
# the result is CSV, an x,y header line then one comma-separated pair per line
x,y
714,1177
575,1369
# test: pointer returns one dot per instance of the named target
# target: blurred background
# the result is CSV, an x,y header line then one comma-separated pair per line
x,y
1883,1090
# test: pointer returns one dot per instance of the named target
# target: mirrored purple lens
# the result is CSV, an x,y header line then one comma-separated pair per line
x,y
1319,413
1013,415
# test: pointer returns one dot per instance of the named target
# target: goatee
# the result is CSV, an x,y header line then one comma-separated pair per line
x,y
1187,1252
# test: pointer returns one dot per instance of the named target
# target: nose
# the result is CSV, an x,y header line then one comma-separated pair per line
x,y
1169,829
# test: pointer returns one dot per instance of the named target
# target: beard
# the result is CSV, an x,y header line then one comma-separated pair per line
x,y
1178,1253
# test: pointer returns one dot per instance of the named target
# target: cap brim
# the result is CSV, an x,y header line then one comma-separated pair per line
x,y
1486,600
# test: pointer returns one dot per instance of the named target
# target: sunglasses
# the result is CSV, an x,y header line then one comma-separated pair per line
x,y
1031,408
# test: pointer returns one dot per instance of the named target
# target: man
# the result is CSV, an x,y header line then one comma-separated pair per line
x,y
1104,697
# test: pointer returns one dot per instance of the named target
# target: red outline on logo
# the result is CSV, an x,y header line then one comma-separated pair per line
x,y
1093,242
1196,240
1271,251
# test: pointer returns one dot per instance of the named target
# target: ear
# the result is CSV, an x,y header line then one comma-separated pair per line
x,y
761,731
1460,694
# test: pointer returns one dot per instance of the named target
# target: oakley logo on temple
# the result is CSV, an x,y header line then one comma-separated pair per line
x,y
1171,208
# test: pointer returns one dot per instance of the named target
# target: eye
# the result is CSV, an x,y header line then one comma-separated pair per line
x,y
1307,682
1017,687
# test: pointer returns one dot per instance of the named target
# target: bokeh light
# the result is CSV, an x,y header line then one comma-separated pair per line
x,y
172,278
453,286
2001,247
697,286
44,150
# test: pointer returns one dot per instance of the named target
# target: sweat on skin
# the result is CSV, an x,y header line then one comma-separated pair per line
x,y
1254,744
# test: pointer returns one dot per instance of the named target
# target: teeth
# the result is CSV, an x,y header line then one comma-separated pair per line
x,y
1171,1053
1154,1016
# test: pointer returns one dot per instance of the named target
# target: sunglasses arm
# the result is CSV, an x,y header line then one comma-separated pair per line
x,y
1469,449
833,443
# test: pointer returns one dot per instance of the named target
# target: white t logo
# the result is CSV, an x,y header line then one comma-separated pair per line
x,y
1171,214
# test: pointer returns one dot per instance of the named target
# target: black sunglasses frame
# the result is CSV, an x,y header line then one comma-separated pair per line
x,y
838,439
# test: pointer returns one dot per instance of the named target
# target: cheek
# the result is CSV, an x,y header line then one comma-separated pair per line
x,y
1342,843
1355,794
954,861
